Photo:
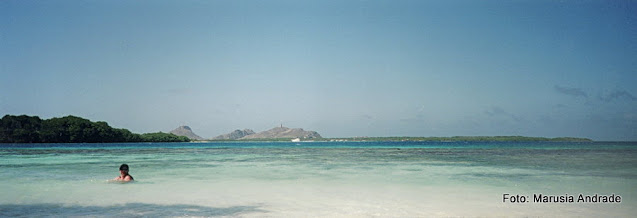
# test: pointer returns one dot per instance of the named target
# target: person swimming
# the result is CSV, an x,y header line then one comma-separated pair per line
x,y
124,176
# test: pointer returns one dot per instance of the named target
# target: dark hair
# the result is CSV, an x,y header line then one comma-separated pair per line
x,y
123,167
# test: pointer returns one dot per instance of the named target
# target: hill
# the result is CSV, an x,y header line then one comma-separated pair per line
x,y
186,131
237,134
283,132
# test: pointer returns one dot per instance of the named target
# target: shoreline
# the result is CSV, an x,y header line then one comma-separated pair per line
x,y
419,139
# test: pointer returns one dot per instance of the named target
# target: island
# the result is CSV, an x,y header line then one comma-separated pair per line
x,y
72,129
279,133
422,139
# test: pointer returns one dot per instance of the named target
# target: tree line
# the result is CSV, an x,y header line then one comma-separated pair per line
x,y
72,129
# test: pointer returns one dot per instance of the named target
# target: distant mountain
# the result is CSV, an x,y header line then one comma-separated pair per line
x,y
237,134
186,131
284,132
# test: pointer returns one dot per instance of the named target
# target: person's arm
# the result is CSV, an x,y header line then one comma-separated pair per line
x,y
113,180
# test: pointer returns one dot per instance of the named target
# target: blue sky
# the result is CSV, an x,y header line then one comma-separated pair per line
x,y
342,68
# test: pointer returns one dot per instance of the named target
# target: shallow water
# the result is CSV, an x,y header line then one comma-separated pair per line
x,y
324,179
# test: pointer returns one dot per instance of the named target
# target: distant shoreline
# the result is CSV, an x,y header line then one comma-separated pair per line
x,y
421,139
71,129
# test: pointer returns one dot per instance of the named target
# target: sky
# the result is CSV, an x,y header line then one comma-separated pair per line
x,y
341,68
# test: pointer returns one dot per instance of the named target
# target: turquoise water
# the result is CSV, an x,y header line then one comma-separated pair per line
x,y
322,179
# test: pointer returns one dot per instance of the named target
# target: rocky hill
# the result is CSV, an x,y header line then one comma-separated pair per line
x,y
186,131
237,134
284,132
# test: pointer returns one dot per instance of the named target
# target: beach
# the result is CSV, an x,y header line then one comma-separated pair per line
x,y
320,179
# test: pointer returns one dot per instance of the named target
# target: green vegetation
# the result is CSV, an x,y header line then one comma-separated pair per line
x,y
163,137
71,129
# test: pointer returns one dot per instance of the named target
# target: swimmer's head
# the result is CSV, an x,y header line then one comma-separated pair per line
x,y
124,167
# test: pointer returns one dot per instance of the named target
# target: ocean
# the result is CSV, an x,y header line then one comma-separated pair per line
x,y
321,179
